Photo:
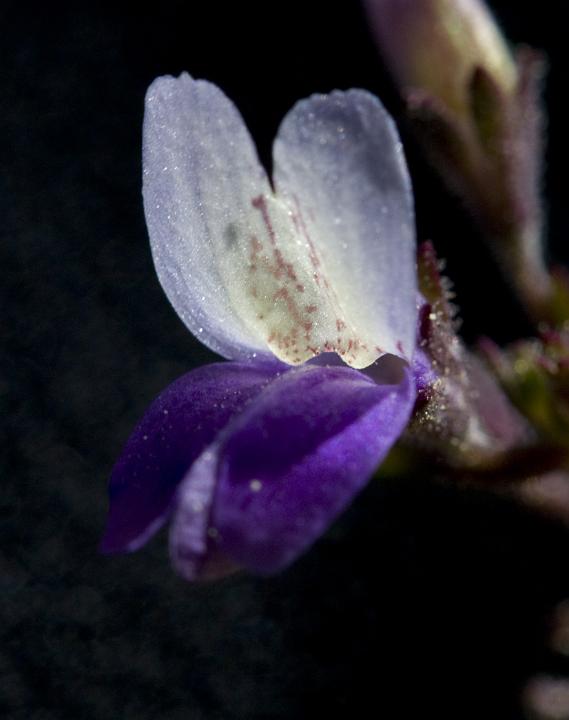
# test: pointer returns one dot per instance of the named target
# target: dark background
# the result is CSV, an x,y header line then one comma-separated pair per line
x,y
423,599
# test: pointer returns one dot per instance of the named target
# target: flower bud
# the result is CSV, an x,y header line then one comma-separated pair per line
x,y
476,111
438,45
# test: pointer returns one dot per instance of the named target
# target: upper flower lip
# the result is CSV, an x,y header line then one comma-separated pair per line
x,y
324,263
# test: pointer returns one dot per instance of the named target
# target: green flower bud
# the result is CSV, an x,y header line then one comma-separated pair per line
x,y
437,46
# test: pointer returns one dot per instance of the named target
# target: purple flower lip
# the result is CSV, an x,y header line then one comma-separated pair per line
x,y
251,460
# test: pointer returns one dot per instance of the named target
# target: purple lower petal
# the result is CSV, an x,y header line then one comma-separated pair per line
x,y
296,456
184,420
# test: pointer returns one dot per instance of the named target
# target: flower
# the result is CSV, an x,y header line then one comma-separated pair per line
x,y
251,460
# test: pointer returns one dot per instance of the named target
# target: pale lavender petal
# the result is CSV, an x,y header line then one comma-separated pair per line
x,y
296,457
201,174
339,164
184,420
194,548
189,540
325,264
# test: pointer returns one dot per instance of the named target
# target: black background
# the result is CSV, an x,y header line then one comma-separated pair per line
x,y
423,599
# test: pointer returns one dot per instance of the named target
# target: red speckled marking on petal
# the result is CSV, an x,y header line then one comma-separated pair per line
x,y
289,331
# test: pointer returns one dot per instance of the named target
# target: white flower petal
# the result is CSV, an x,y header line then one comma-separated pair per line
x,y
200,173
339,165
249,270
